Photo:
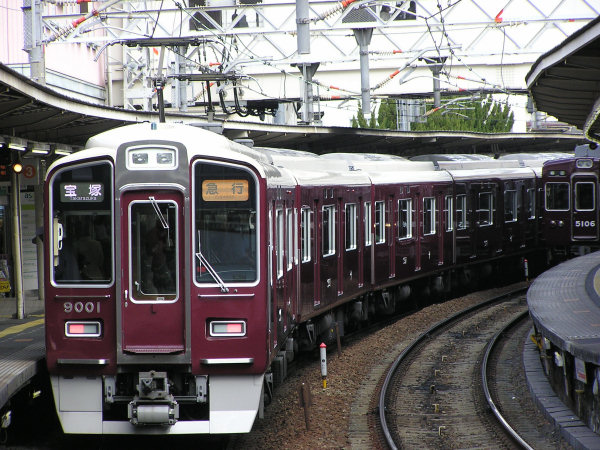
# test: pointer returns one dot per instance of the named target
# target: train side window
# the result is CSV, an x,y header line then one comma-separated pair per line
x,y
557,196
510,206
531,203
428,215
289,250
486,209
306,225
449,213
351,226
379,222
405,218
368,224
328,230
585,197
461,211
280,241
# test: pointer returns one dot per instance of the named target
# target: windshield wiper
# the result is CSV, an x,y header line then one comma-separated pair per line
x,y
162,219
210,269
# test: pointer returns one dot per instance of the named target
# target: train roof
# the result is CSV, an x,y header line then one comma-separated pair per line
x,y
436,157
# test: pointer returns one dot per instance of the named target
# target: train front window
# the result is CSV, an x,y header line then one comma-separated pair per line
x,y
557,196
225,206
81,218
585,196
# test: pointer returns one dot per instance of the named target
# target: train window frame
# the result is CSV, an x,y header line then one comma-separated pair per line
x,y
368,224
567,197
449,212
461,212
405,219
531,214
380,222
279,241
510,206
485,214
351,221
289,251
328,223
576,192
429,210
306,233
57,241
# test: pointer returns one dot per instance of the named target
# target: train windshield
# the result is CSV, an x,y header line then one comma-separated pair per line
x,y
81,222
225,220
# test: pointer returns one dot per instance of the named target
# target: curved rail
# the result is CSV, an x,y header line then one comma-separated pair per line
x,y
518,439
383,394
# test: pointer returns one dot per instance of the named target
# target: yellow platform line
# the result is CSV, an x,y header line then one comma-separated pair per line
x,y
21,327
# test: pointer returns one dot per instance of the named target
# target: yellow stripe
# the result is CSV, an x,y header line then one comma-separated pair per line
x,y
21,327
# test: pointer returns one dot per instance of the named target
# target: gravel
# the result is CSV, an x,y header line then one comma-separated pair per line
x,y
343,415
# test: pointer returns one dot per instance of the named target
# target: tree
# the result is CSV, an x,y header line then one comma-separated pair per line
x,y
359,121
387,116
459,114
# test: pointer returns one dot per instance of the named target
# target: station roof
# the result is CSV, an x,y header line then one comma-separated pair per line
x,y
37,113
564,81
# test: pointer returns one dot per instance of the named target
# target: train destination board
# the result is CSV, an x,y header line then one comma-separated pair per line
x,y
82,192
225,190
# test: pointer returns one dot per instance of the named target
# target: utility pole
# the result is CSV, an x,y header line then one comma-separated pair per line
x,y
308,69
32,31
363,38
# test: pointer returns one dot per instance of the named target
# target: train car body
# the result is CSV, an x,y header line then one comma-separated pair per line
x,y
184,269
570,213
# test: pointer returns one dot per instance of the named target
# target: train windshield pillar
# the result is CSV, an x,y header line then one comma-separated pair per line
x,y
225,219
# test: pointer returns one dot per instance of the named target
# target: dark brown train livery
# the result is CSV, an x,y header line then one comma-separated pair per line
x,y
184,269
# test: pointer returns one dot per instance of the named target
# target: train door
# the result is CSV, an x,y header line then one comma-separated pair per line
x,y
153,305
584,218
391,239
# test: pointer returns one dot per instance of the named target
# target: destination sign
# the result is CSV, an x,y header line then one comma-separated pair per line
x,y
82,192
225,190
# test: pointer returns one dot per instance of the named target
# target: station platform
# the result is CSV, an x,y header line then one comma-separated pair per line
x,y
22,345
563,369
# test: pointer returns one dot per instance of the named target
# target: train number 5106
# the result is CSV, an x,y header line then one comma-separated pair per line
x,y
585,223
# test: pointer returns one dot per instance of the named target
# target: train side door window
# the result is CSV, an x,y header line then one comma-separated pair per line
x,y
449,212
585,196
530,203
289,250
279,244
306,225
328,230
379,222
351,226
461,211
428,216
557,196
368,224
510,206
405,218
486,209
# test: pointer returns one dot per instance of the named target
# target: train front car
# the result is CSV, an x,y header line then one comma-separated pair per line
x,y
570,216
156,298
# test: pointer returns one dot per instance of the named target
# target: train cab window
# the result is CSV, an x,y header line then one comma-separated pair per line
x,y
530,203
305,233
81,209
486,209
557,196
461,212
449,212
428,215
351,222
585,197
368,224
510,206
404,218
289,251
379,222
328,230
226,225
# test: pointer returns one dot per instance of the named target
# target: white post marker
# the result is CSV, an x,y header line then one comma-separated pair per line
x,y
323,351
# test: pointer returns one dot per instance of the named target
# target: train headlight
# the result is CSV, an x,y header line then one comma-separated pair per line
x,y
83,328
584,163
227,328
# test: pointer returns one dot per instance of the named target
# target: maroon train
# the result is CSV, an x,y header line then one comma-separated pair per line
x,y
185,269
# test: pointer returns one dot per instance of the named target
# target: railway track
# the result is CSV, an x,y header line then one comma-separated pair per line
x,y
433,395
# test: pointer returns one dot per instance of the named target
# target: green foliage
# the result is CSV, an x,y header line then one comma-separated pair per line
x,y
485,116
359,121
387,116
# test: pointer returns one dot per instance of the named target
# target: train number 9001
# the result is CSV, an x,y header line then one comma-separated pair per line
x,y
80,307
585,223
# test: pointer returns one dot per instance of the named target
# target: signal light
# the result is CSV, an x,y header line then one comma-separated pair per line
x,y
228,328
83,329
17,168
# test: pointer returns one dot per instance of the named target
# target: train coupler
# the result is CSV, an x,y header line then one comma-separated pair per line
x,y
153,405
